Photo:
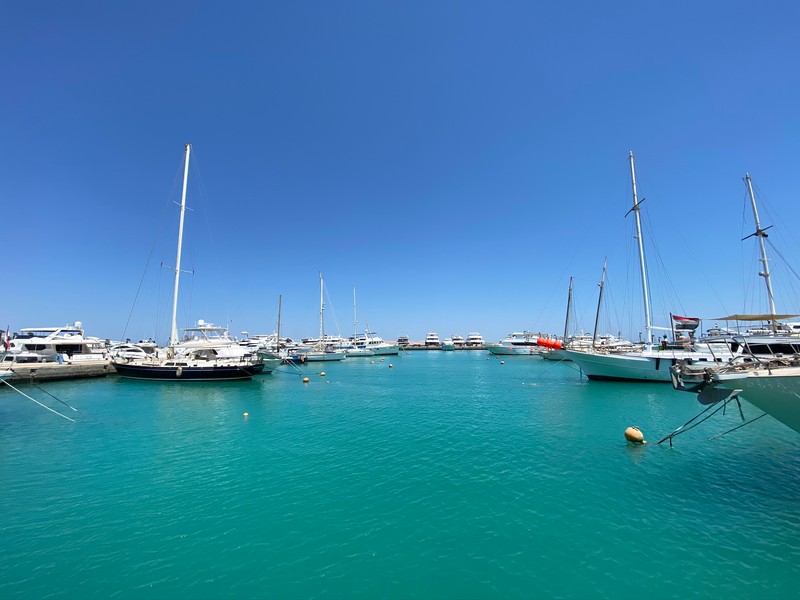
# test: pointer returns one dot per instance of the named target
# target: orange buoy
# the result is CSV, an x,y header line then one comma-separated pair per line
x,y
557,345
634,436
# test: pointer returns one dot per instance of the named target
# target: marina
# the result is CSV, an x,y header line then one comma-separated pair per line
x,y
345,334
451,474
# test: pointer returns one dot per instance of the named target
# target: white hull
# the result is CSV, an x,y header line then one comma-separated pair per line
x,y
556,355
389,350
513,350
356,352
323,356
643,366
777,393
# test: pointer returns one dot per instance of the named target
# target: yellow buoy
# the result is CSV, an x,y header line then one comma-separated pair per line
x,y
305,379
245,415
634,436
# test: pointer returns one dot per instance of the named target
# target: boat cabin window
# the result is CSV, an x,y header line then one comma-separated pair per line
x,y
783,348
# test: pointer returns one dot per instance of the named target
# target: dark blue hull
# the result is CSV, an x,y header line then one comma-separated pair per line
x,y
189,373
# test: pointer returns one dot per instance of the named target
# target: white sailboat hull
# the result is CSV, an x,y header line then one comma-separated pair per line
x,y
776,392
641,366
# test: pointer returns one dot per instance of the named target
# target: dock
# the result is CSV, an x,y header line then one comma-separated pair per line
x,y
52,371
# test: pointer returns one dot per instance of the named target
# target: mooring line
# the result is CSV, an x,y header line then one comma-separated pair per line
x,y
37,402
683,428
56,398
738,427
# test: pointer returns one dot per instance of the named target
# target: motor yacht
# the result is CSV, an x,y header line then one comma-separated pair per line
x,y
54,344
432,341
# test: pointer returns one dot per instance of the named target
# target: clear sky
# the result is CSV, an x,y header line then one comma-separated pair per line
x,y
456,161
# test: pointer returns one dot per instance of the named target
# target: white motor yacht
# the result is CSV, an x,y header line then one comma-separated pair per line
x,y
54,344
474,340
432,341
516,343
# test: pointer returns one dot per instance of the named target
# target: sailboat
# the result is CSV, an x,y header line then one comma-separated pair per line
x,y
767,372
356,346
325,348
651,363
207,353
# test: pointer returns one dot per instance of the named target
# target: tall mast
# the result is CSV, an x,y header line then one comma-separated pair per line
x,y
355,321
645,294
761,234
173,338
321,311
599,301
278,341
569,307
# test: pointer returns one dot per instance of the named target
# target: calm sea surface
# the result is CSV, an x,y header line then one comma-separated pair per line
x,y
449,475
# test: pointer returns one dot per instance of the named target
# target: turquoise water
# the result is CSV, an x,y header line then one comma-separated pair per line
x,y
449,475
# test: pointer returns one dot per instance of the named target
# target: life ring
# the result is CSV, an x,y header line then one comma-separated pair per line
x,y
178,371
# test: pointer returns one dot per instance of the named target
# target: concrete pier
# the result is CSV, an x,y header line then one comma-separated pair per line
x,y
37,372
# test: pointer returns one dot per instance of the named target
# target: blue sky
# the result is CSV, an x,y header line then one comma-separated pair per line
x,y
457,162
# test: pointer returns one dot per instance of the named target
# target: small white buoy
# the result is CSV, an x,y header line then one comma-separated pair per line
x,y
322,374
327,382
502,362
390,365
372,362
245,415
305,379
634,436
383,359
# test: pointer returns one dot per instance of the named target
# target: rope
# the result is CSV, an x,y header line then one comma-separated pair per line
x,y
55,398
37,402
738,427
683,428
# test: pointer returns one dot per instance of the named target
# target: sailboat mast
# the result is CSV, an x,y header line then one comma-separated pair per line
x,y
645,294
173,337
278,341
321,311
599,301
355,321
569,307
761,234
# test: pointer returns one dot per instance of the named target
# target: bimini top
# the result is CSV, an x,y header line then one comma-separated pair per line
x,y
766,317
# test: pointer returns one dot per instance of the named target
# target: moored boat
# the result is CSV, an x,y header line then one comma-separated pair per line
x,y
432,341
516,344
651,363
206,353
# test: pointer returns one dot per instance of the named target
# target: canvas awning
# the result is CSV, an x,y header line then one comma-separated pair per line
x,y
755,317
